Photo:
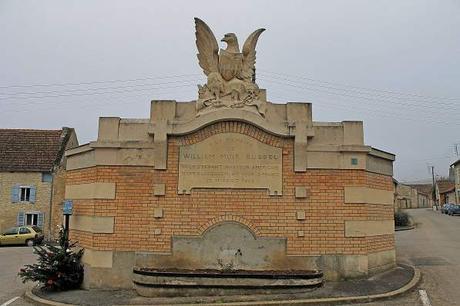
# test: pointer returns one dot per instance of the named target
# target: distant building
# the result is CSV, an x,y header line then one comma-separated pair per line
x,y
32,177
445,190
412,196
455,170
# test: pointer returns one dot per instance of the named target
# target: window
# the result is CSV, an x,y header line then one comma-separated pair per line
x,y
11,231
24,230
37,229
32,219
354,161
24,194
47,177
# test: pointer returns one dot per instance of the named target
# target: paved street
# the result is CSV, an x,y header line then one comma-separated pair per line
x,y
434,247
11,260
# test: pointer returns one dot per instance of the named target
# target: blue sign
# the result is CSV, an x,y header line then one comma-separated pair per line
x,y
67,207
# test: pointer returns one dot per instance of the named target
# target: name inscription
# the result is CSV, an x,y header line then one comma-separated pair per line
x,y
230,160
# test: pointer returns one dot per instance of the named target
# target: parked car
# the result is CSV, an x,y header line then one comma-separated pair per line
x,y
28,235
445,208
453,210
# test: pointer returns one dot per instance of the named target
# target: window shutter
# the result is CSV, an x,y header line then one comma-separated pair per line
x,y
15,194
33,192
40,220
20,220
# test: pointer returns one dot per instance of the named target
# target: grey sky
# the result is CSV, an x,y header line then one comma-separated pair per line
x,y
399,46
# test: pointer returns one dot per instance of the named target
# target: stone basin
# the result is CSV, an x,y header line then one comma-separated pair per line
x,y
177,282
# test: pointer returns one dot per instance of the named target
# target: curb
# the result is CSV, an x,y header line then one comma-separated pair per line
x,y
404,228
29,295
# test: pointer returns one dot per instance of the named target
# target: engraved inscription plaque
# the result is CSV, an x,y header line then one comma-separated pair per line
x,y
230,160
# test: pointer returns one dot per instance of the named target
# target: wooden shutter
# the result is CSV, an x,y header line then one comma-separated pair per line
x,y
15,194
20,219
33,193
40,220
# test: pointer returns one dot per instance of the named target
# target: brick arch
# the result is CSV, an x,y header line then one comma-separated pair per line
x,y
229,218
233,127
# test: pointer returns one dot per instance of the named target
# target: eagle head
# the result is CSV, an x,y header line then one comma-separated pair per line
x,y
232,42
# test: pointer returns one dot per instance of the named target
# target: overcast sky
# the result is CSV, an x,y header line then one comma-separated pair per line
x,y
393,64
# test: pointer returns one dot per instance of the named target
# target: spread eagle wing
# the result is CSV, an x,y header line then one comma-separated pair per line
x,y
249,55
208,49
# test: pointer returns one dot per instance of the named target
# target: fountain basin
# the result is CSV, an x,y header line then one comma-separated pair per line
x,y
177,282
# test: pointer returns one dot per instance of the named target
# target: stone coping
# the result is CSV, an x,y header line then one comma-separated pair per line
x,y
403,279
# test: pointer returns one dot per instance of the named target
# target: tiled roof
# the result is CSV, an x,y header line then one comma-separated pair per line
x,y
29,150
443,185
446,186
422,188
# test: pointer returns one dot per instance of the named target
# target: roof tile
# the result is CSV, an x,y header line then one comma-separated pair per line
x,y
29,150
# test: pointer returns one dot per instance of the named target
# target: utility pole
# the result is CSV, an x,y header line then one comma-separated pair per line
x,y
434,194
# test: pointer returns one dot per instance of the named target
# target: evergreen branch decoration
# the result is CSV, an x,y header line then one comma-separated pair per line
x,y
57,267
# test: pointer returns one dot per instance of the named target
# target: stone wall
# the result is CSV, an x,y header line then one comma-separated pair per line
x,y
9,210
58,195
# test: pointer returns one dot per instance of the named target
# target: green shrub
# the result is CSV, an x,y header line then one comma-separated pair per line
x,y
401,219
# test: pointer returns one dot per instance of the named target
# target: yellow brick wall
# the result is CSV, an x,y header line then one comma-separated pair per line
x,y
269,216
9,210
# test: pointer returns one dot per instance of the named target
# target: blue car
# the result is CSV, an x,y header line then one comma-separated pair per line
x,y
445,208
453,210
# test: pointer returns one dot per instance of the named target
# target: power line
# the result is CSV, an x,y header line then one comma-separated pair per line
x,y
98,82
98,93
86,103
377,113
373,110
276,81
363,88
40,93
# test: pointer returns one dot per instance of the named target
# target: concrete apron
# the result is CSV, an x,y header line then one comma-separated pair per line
x,y
29,295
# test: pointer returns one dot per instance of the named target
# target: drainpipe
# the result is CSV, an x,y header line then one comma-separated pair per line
x,y
51,205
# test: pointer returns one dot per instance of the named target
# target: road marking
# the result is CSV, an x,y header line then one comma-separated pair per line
x,y
424,297
10,301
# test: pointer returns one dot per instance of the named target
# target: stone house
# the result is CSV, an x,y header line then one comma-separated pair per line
x,y
405,196
412,196
448,196
446,192
32,176
455,170
445,187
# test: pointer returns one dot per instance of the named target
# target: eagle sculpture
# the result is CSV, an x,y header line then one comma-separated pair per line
x,y
230,72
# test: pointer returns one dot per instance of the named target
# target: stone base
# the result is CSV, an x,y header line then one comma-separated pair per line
x,y
101,273
340,267
119,274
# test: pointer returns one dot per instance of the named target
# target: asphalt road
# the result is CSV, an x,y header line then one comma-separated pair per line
x,y
11,286
434,247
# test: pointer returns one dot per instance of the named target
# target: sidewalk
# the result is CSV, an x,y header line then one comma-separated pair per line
x,y
380,286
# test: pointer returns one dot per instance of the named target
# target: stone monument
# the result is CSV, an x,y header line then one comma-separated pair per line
x,y
229,185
